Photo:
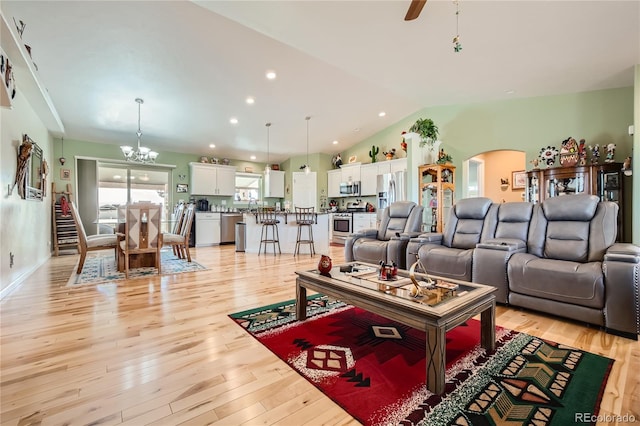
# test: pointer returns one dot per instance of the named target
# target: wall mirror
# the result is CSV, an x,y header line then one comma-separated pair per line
x,y
35,175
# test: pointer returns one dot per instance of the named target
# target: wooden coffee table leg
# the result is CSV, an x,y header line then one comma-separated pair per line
x,y
488,330
436,357
301,301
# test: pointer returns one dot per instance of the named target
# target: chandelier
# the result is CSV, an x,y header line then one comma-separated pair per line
x,y
142,154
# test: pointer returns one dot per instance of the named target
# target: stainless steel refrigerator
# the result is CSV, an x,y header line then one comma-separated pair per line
x,y
391,187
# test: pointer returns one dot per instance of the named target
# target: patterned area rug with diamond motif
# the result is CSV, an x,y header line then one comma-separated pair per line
x,y
375,368
101,268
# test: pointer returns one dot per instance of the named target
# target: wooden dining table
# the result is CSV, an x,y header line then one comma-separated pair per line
x,y
137,260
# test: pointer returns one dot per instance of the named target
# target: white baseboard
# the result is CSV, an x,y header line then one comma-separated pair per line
x,y
13,286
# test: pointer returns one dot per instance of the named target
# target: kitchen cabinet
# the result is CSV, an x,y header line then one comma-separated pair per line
x,y
207,229
350,173
435,194
369,173
334,178
364,221
212,179
274,184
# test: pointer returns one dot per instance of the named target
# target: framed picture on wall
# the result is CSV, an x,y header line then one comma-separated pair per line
x,y
182,187
65,174
519,179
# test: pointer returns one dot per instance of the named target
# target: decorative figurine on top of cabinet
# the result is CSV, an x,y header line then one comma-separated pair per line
x,y
569,152
548,155
390,154
595,153
611,150
403,144
582,153
337,161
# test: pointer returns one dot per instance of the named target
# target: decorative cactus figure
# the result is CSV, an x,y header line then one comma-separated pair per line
x,y
373,152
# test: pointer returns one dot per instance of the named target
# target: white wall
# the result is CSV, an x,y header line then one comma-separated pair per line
x,y
25,226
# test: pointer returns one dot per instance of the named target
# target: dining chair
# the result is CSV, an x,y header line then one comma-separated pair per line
x,y
142,233
178,216
179,239
92,242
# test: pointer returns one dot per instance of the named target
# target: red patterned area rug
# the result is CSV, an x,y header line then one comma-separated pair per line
x,y
375,368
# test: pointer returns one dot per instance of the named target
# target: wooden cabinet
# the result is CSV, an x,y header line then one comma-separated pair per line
x,y
274,184
212,179
436,194
604,180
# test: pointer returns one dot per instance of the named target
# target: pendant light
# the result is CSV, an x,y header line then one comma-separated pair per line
x,y
62,159
267,168
142,154
307,169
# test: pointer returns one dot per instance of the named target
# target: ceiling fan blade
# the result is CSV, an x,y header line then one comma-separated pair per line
x,y
414,9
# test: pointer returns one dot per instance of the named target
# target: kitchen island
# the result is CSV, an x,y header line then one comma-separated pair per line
x,y
288,231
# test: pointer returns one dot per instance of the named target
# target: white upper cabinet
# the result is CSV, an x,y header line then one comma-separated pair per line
x,y
369,173
350,173
274,184
334,177
212,179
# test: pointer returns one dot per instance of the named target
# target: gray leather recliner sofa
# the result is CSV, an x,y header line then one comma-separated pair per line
x,y
400,221
558,257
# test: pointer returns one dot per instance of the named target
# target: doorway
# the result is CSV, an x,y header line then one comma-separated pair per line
x,y
490,174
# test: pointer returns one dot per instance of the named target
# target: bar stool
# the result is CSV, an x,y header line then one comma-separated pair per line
x,y
267,217
305,217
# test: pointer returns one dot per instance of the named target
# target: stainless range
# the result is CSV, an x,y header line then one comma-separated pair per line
x,y
342,223
342,226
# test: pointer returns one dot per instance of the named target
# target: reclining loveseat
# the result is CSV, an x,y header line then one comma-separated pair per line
x,y
558,257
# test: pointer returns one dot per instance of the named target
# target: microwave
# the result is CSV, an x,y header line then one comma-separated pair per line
x,y
350,189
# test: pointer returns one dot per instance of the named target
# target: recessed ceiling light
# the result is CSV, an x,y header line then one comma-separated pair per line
x,y
271,75
250,100
233,120
253,157
335,142
382,114
211,145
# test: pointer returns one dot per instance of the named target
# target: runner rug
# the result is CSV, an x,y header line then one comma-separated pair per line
x,y
101,267
375,368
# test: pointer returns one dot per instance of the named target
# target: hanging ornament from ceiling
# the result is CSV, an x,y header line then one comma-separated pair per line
x,y
457,47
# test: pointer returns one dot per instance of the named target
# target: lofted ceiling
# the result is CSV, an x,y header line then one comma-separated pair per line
x,y
341,62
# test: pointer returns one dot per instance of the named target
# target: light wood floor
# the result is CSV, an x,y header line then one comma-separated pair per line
x,y
162,350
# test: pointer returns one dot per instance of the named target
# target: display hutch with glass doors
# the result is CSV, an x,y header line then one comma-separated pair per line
x,y
603,180
436,194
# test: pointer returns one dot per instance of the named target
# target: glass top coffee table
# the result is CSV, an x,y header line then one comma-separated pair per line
x,y
435,308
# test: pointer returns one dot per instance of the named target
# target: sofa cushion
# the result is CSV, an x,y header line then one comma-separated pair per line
x,y
370,250
560,280
513,220
446,262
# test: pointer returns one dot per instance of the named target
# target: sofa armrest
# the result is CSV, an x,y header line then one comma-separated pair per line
x,y
429,237
503,244
490,263
621,267
352,238
405,236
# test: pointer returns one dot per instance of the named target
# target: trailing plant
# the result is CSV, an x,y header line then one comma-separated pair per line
x,y
373,152
427,130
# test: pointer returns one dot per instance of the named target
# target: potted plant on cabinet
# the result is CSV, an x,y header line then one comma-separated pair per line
x,y
428,131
